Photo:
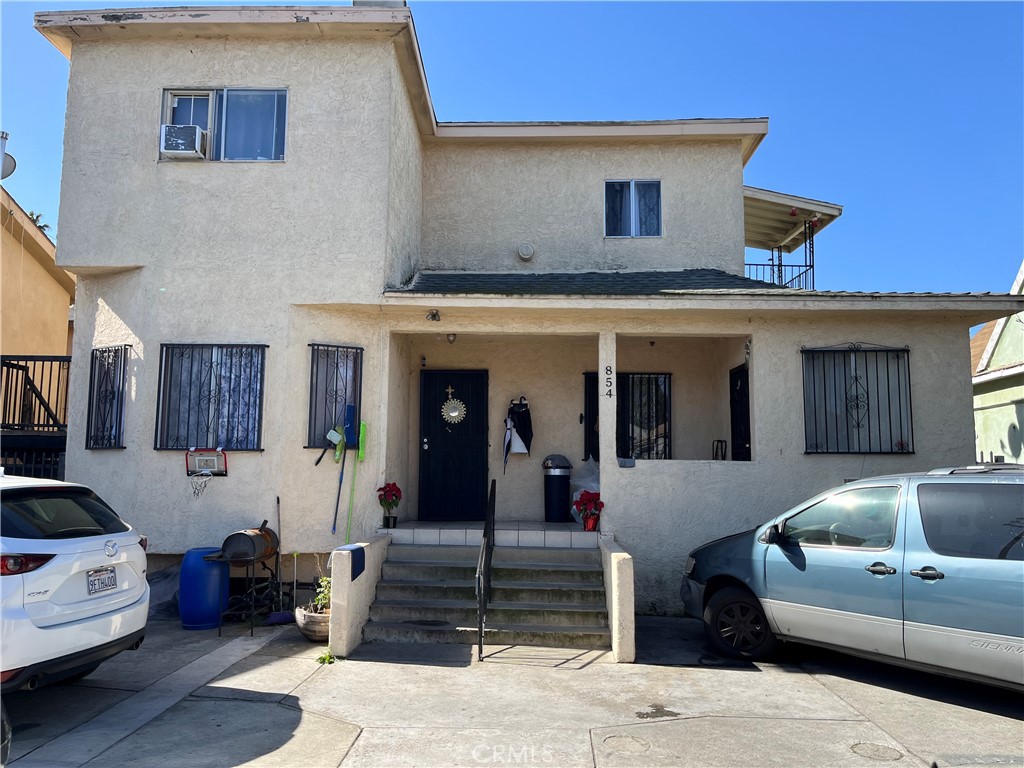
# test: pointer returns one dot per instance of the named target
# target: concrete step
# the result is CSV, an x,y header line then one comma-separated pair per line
x,y
465,612
449,570
501,591
426,552
568,573
593,637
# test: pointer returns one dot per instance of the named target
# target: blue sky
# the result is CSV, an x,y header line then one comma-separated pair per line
x,y
910,115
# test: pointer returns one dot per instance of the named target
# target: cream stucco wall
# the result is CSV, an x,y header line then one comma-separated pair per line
x,y
312,226
658,511
481,201
405,184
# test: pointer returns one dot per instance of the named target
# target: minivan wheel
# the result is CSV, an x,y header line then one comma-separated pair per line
x,y
735,624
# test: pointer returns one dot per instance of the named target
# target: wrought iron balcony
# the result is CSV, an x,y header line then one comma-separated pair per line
x,y
786,275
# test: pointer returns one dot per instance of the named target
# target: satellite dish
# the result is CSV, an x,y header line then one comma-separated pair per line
x,y
9,166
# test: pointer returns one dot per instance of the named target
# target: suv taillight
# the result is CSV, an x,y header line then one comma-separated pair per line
x,y
15,565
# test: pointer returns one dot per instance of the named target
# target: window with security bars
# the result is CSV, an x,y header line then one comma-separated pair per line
x,y
108,389
643,419
211,396
857,400
335,391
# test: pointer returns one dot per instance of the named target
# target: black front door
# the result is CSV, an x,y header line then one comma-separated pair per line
x,y
453,445
739,409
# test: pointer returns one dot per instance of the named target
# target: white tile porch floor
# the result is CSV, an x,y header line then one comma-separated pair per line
x,y
507,533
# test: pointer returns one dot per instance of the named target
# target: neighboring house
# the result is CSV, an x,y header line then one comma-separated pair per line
x,y
36,330
305,237
997,368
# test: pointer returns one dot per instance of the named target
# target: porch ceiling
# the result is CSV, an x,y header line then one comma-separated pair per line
x,y
769,221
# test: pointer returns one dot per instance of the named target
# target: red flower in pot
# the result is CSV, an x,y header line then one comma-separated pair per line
x,y
389,495
589,506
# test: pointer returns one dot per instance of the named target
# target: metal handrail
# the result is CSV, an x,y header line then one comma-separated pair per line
x,y
483,571
785,275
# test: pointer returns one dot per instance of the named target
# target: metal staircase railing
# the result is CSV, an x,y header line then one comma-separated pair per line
x,y
483,571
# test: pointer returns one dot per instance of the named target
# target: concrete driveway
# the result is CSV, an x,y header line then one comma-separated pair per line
x,y
189,698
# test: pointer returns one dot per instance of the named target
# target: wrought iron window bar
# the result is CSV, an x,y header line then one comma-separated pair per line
x,y
335,382
857,399
211,396
108,389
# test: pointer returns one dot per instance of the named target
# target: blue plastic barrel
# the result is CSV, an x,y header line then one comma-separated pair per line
x,y
202,589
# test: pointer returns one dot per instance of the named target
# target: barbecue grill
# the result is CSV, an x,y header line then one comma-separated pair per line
x,y
247,549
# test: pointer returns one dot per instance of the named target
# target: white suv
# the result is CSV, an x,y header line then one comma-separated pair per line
x,y
73,588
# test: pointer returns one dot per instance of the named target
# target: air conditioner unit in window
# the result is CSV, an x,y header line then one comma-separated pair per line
x,y
182,142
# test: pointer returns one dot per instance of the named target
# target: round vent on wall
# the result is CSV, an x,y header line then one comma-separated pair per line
x,y
525,251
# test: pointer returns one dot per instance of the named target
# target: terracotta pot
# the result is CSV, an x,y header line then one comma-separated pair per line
x,y
314,626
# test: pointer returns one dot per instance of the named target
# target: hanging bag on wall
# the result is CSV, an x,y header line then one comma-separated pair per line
x,y
521,422
517,419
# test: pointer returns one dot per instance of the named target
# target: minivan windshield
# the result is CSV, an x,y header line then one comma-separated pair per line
x,y
57,513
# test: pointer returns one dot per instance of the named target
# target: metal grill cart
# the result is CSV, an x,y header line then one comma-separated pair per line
x,y
247,549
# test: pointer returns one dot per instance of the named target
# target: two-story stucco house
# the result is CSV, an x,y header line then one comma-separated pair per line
x,y
305,244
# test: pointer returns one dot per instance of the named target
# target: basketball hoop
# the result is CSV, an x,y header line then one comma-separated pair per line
x,y
199,482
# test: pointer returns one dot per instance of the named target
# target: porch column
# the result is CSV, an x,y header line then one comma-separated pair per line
x,y
606,405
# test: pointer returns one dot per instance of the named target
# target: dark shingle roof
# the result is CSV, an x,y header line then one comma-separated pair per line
x,y
578,283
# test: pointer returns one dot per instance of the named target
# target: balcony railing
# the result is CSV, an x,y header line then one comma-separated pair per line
x,y
35,392
786,275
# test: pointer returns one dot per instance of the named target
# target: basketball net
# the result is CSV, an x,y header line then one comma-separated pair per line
x,y
199,482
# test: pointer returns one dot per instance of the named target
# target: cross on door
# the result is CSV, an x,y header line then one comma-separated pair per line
x,y
450,391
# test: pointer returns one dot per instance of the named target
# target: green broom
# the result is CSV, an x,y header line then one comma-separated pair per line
x,y
360,456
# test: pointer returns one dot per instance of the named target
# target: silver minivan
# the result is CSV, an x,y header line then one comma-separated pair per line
x,y
924,570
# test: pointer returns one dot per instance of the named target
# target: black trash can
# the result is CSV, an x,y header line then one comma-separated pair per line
x,y
556,489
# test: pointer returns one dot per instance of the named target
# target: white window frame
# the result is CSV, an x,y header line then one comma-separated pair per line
x,y
634,209
217,120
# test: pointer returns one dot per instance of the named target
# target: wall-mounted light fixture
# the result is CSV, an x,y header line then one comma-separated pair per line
x,y
451,338
434,316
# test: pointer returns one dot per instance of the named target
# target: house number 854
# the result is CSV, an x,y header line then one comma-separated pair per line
x,y
608,381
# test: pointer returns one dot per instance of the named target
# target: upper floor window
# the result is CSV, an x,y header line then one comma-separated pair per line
x,y
632,208
239,123
857,400
211,396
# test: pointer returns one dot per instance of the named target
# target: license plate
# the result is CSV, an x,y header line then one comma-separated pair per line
x,y
102,580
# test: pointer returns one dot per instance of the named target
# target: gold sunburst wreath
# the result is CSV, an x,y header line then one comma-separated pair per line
x,y
453,411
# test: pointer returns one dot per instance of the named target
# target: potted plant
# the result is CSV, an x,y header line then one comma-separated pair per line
x,y
589,506
314,618
390,496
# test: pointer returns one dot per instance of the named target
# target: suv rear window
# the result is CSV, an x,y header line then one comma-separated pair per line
x,y
979,520
57,513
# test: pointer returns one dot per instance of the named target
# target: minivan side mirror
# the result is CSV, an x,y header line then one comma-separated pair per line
x,y
774,534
